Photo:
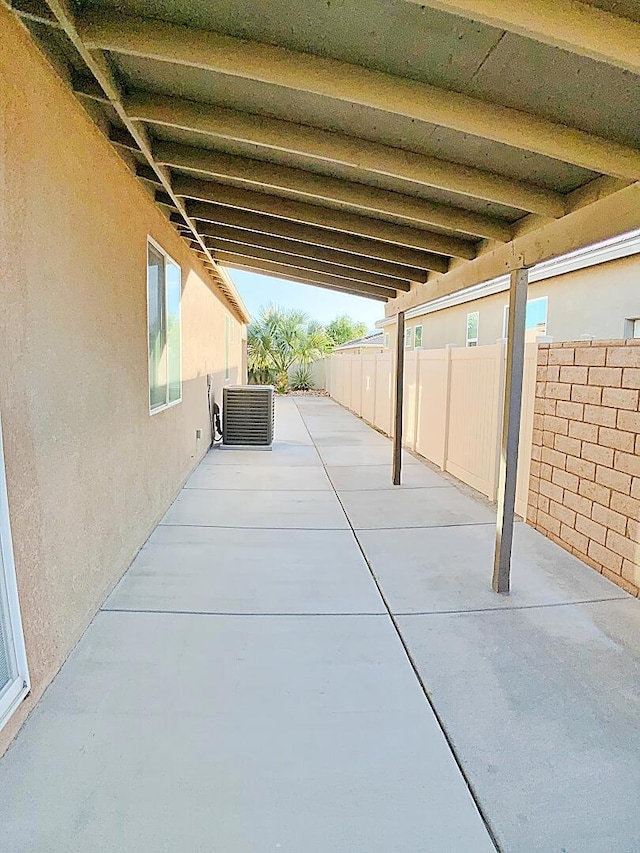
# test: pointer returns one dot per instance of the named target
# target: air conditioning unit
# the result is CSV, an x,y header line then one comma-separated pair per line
x,y
248,413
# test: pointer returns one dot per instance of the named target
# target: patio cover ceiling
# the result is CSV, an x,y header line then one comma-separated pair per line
x,y
394,149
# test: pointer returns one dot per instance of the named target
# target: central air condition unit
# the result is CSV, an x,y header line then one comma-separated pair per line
x,y
248,416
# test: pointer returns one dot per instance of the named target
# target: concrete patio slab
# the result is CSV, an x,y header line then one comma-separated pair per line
x,y
201,569
444,569
288,454
420,507
349,478
543,705
259,478
363,455
230,711
170,733
265,509
336,438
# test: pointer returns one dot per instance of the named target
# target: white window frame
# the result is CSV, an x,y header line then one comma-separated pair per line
x,y
408,337
17,689
632,327
417,345
472,342
154,410
505,319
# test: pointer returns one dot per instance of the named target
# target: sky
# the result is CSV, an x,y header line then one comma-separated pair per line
x,y
320,304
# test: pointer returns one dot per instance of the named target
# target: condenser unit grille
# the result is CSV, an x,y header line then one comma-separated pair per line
x,y
248,415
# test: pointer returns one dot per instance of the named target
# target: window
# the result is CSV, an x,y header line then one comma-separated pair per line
x,y
386,340
164,292
473,320
408,338
417,337
632,327
14,674
535,320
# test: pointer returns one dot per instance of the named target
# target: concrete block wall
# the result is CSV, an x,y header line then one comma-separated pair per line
x,y
584,490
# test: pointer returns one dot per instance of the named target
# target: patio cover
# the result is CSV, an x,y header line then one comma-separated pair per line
x,y
397,150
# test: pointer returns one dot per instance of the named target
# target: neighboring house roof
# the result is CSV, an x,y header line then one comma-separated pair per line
x,y
372,339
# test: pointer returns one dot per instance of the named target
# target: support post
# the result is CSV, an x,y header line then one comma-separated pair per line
x,y
397,434
510,430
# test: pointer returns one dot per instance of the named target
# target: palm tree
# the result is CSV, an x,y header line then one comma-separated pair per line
x,y
278,338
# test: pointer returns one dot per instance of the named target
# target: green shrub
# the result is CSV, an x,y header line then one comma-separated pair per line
x,y
302,379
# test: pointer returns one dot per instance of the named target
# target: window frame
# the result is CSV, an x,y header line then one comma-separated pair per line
x,y
632,328
168,404
17,689
408,337
472,342
417,345
505,316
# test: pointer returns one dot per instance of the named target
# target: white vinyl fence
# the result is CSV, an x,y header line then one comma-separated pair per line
x,y
453,401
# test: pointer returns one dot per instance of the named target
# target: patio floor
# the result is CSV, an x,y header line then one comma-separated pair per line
x,y
304,658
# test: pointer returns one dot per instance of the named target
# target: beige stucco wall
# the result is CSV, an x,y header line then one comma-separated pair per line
x,y
592,301
89,471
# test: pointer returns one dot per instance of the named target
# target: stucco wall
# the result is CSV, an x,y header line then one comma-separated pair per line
x,y
89,471
577,305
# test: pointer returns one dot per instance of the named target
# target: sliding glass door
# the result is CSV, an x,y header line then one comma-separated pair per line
x,y
14,675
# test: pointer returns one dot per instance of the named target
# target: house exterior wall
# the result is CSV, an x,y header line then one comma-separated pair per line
x,y
577,306
89,470
585,469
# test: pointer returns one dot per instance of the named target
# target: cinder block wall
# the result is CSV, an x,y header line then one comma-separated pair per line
x,y
585,470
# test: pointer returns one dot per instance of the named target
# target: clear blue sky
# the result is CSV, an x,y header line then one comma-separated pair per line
x,y
320,304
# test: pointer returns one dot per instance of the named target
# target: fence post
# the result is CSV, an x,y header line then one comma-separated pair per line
x,y
447,405
510,430
502,352
416,403
397,433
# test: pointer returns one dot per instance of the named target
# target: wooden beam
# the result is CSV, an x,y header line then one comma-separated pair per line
x,y
296,262
335,148
34,10
355,84
123,139
146,173
568,24
323,217
356,288
609,217
88,87
63,11
307,235
309,186
306,250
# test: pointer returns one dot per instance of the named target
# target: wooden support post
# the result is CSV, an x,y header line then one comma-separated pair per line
x,y
510,430
397,434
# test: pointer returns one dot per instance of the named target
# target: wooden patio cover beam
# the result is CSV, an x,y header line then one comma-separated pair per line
x,y
362,155
308,186
98,64
323,217
383,269
568,24
259,254
275,270
355,84
208,215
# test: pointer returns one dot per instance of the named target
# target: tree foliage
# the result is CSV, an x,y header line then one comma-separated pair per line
x,y
344,329
279,338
